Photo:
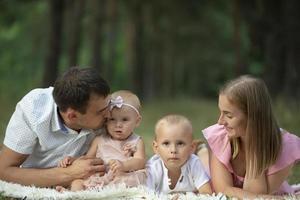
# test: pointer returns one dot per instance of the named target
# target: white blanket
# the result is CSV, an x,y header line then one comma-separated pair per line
x,y
115,192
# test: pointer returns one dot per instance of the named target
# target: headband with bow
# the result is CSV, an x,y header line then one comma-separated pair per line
x,y
119,102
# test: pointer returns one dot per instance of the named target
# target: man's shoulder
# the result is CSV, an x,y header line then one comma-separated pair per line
x,y
37,104
38,93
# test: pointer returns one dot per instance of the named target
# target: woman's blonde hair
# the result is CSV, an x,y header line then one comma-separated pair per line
x,y
263,136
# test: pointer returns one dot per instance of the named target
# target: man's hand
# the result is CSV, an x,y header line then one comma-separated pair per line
x,y
83,167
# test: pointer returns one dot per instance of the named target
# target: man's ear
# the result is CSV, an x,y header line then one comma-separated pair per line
x,y
71,114
154,146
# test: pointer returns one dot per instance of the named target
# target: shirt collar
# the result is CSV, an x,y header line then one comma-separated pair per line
x,y
57,122
183,167
59,126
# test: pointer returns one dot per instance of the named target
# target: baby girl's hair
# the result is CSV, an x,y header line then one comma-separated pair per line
x,y
174,119
128,98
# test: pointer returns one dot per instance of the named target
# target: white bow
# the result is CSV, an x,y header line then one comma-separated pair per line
x,y
119,102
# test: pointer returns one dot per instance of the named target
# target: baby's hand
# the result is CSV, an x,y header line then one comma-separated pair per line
x,y
65,162
116,166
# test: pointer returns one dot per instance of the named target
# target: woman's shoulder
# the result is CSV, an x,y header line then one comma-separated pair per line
x,y
214,130
290,152
216,136
218,141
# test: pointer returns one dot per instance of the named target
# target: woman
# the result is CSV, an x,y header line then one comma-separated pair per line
x,y
249,154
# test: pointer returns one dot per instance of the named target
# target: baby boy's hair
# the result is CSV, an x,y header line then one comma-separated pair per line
x,y
174,119
128,97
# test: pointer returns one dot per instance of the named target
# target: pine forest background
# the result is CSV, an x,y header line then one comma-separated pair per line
x,y
174,54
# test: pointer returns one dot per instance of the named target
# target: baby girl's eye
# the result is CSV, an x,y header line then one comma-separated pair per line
x,y
125,119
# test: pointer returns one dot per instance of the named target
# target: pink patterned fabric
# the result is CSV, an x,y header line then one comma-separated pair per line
x,y
218,142
109,149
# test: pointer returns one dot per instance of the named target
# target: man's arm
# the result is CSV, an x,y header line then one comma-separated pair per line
x,y
10,170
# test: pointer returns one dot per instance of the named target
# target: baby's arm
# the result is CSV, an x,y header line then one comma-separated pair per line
x,y
66,162
135,163
91,154
93,148
200,177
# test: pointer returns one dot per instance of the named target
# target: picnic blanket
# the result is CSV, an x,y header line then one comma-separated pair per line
x,y
110,192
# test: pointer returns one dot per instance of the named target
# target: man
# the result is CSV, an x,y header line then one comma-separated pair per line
x,y
49,124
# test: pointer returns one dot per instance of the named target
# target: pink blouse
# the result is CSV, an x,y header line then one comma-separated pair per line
x,y
218,142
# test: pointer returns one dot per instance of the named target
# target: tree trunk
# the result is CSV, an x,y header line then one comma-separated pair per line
x,y
74,17
97,12
112,16
239,69
135,52
54,42
292,76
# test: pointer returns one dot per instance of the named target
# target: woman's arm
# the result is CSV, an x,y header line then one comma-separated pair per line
x,y
267,184
205,189
222,182
257,185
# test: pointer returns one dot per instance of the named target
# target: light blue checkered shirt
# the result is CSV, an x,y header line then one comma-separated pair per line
x,y
36,129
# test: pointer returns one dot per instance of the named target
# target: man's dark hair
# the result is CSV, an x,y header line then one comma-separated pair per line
x,y
74,88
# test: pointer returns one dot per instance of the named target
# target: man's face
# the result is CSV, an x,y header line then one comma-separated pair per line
x,y
96,113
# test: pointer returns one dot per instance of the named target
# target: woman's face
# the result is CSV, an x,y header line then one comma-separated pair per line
x,y
232,118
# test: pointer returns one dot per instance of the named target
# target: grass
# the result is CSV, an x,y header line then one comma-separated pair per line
x,y
201,112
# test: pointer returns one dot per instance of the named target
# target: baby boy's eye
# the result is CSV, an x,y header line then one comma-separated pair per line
x,y
180,143
165,143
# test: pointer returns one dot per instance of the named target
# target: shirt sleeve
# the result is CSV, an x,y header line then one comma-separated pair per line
x,y
19,135
199,175
219,144
290,153
150,183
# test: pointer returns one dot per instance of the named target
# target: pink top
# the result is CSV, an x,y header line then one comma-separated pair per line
x,y
109,149
218,142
